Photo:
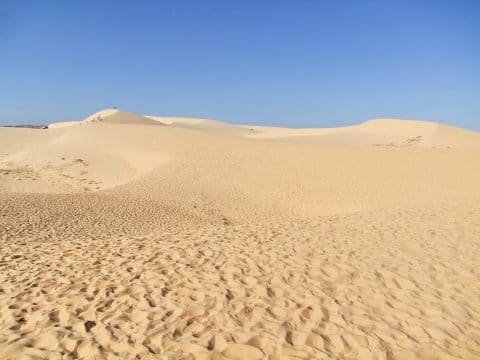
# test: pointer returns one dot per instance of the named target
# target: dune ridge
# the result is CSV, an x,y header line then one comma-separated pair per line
x,y
128,236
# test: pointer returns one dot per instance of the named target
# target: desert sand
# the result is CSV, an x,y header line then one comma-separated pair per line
x,y
126,236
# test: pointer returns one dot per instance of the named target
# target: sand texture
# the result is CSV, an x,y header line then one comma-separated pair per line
x,y
141,237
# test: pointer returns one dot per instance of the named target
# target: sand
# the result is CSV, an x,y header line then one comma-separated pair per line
x,y
128,236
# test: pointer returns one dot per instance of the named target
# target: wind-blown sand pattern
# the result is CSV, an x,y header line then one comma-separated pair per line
x,y
127,237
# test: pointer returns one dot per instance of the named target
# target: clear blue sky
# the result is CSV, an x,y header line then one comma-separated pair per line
x,y
294,63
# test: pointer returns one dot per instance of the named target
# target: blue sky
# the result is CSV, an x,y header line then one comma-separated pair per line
x,y
291,63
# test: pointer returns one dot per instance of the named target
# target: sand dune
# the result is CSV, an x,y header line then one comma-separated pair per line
x,y
378,132
84,157
112,116
129,236
211,126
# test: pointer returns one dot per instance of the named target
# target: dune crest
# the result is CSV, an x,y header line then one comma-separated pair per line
x,y
100,115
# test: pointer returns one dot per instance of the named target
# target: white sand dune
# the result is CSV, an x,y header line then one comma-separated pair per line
x,y
128,236
108,116
380,132
211,126
91,155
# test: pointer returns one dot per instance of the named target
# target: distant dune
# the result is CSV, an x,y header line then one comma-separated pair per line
x,y
130,236
380,132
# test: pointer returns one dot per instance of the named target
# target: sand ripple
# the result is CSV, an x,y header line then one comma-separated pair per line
x,y
396,286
